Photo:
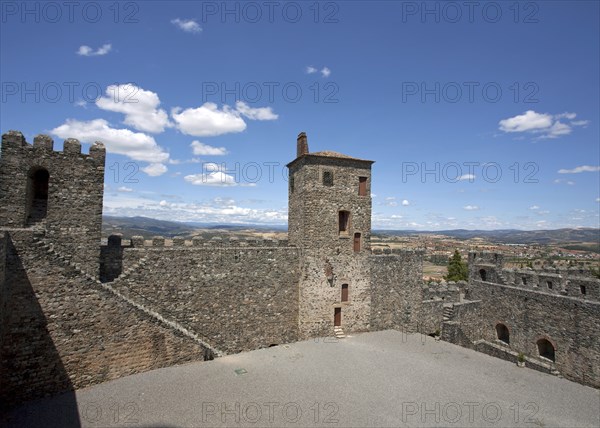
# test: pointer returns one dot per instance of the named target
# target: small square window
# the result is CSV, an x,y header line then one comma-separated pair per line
x,y
327,178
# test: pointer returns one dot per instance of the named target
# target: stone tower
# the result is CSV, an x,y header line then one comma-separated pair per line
x,y
57,192
329,201
330,220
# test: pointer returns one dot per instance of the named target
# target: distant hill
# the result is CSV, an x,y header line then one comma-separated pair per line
x,y
510,236
148,227
130,226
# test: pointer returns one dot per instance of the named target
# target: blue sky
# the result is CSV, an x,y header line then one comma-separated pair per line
x,y
480,116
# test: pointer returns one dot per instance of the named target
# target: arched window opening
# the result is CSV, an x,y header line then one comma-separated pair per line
x,y
37,195
502,333
546,349
483,274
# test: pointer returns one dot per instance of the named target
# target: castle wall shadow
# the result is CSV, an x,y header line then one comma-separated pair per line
x,y
31,365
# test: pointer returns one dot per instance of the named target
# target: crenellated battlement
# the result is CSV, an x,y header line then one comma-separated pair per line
x,y
14,144
396,251
488,267
58,191
142,242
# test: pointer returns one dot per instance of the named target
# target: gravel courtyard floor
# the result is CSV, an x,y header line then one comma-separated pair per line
x,y
369,380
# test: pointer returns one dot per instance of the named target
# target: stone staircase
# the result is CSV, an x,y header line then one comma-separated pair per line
x,y
448,313
40,241
339,332
501,277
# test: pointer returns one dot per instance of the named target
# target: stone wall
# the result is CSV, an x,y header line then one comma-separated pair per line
x,y
564,282
314,207
432,314
236,298
572,325
465,326
75,192
65,331
3,283
396,290
321,283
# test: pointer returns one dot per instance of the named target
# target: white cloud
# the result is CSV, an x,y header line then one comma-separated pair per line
x,y
465,177
566,115
580,122
208,120
261,113
139,106
528,121
578,169
214,211
217,178
597,199
405,203
187,25
155,169
325,71
471,207
136,145
556,130
202,149
534,207
124,189
88,51
544,124
179,161
560,180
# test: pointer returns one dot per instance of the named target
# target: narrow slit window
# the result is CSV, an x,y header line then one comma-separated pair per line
x,y
344,292
357,242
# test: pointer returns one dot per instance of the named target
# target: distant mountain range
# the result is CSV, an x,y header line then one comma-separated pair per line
x,y
510,236
130,226
148,227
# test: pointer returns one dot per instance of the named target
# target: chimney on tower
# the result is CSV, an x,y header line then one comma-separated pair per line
x,y
301,145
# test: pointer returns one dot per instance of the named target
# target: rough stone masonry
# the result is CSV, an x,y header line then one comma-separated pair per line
x,y
74,312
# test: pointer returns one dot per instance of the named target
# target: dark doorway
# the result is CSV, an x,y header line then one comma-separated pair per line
x,y
546,349
357,242
337,317
502,333
37,190
483,274
344,292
